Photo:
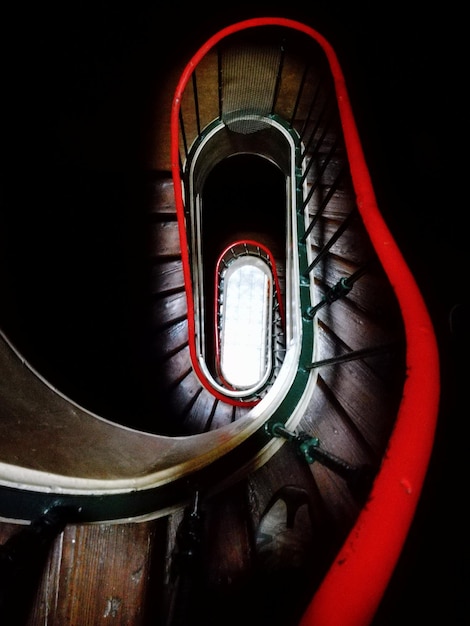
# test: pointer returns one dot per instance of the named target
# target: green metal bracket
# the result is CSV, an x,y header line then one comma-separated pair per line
x,y
341,289
359,479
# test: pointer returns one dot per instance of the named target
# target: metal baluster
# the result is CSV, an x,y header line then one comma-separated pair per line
x,y
330,243
330,193
339,290
196,103
326,127
183,135
354,355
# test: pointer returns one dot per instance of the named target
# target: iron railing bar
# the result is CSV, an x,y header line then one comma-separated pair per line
x,y
352,278
181,166
210,418
358,478
326,200
183,134
321,171
196,103
337,291
312,155
354,355
324,203
311,107
340,230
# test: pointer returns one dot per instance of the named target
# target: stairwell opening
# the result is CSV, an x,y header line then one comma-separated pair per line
x,y
243,198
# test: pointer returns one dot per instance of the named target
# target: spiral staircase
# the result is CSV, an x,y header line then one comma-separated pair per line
x,y
136,485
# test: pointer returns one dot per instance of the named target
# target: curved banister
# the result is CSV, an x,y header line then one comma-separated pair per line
x,y
353,587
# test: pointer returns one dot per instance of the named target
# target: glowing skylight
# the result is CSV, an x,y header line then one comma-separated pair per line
x,y
245,336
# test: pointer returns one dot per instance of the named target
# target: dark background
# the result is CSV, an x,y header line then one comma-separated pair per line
x,y
71,66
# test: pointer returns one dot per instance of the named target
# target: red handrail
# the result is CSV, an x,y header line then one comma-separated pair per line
x,y
353,587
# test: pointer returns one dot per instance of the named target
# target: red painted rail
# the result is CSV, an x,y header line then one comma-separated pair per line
x,y
353,587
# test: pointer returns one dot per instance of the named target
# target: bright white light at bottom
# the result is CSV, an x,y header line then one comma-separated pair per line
x,y
245,326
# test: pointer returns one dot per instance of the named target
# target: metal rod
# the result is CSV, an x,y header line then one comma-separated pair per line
x,y
330,243
183,134
330,193
339,290
196,103
359,479
352,356
323,112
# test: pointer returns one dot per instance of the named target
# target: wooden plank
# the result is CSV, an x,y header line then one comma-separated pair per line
x,y
289,561
167,340
161,197
228,555
323,420
372,293
224,414
353,244
170,569
199,418
337,207
328,169
100,574
166,276
177,366
209,413
356,331
368,401
240,412
181,398
164,240
284,468
341,506
168,310
328,420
